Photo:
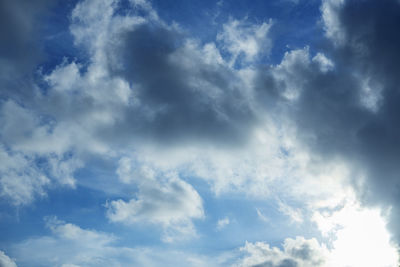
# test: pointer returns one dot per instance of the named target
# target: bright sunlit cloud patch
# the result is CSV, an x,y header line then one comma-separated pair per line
x,y
359,237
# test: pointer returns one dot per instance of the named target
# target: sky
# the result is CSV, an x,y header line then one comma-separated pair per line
x,y
199,133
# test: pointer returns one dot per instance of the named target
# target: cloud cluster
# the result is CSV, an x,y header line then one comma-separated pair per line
x,y
297,252
171,108
69,245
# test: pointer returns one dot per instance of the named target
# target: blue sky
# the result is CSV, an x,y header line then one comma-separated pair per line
x,y
199,133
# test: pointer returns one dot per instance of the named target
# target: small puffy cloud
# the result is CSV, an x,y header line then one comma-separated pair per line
x,y
20,180
24,144
5,261
222,223
331,20
72,232
324,63
245,41
166,200
299,252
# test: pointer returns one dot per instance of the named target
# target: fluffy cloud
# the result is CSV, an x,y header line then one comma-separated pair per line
x,y
29,161
296,252
222,223
245,41
5,261
166,200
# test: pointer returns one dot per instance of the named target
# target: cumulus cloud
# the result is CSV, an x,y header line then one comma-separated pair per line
x,y
245,41
166,200
5,261
360,239
296,252
24,144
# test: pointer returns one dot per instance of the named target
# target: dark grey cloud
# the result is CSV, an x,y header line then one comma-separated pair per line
x,y
202,101
19,45
331,113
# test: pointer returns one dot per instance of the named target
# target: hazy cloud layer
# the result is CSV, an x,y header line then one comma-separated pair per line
x,y
69,245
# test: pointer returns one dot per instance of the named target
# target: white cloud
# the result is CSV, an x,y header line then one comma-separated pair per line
x,y
20,180
69,245
294,214
222,223
287,73
324,63
358,236
165,200
332,23
5,261
299,252
262,216
244,39
24,143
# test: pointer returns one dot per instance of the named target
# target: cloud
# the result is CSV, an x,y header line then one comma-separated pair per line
x,y
5,261
24,142
245,41
183,96
175,102
352,111
70,245
165,200
20,49
294,214
20,180
222,223
358,236
181,108
297,252
115,103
